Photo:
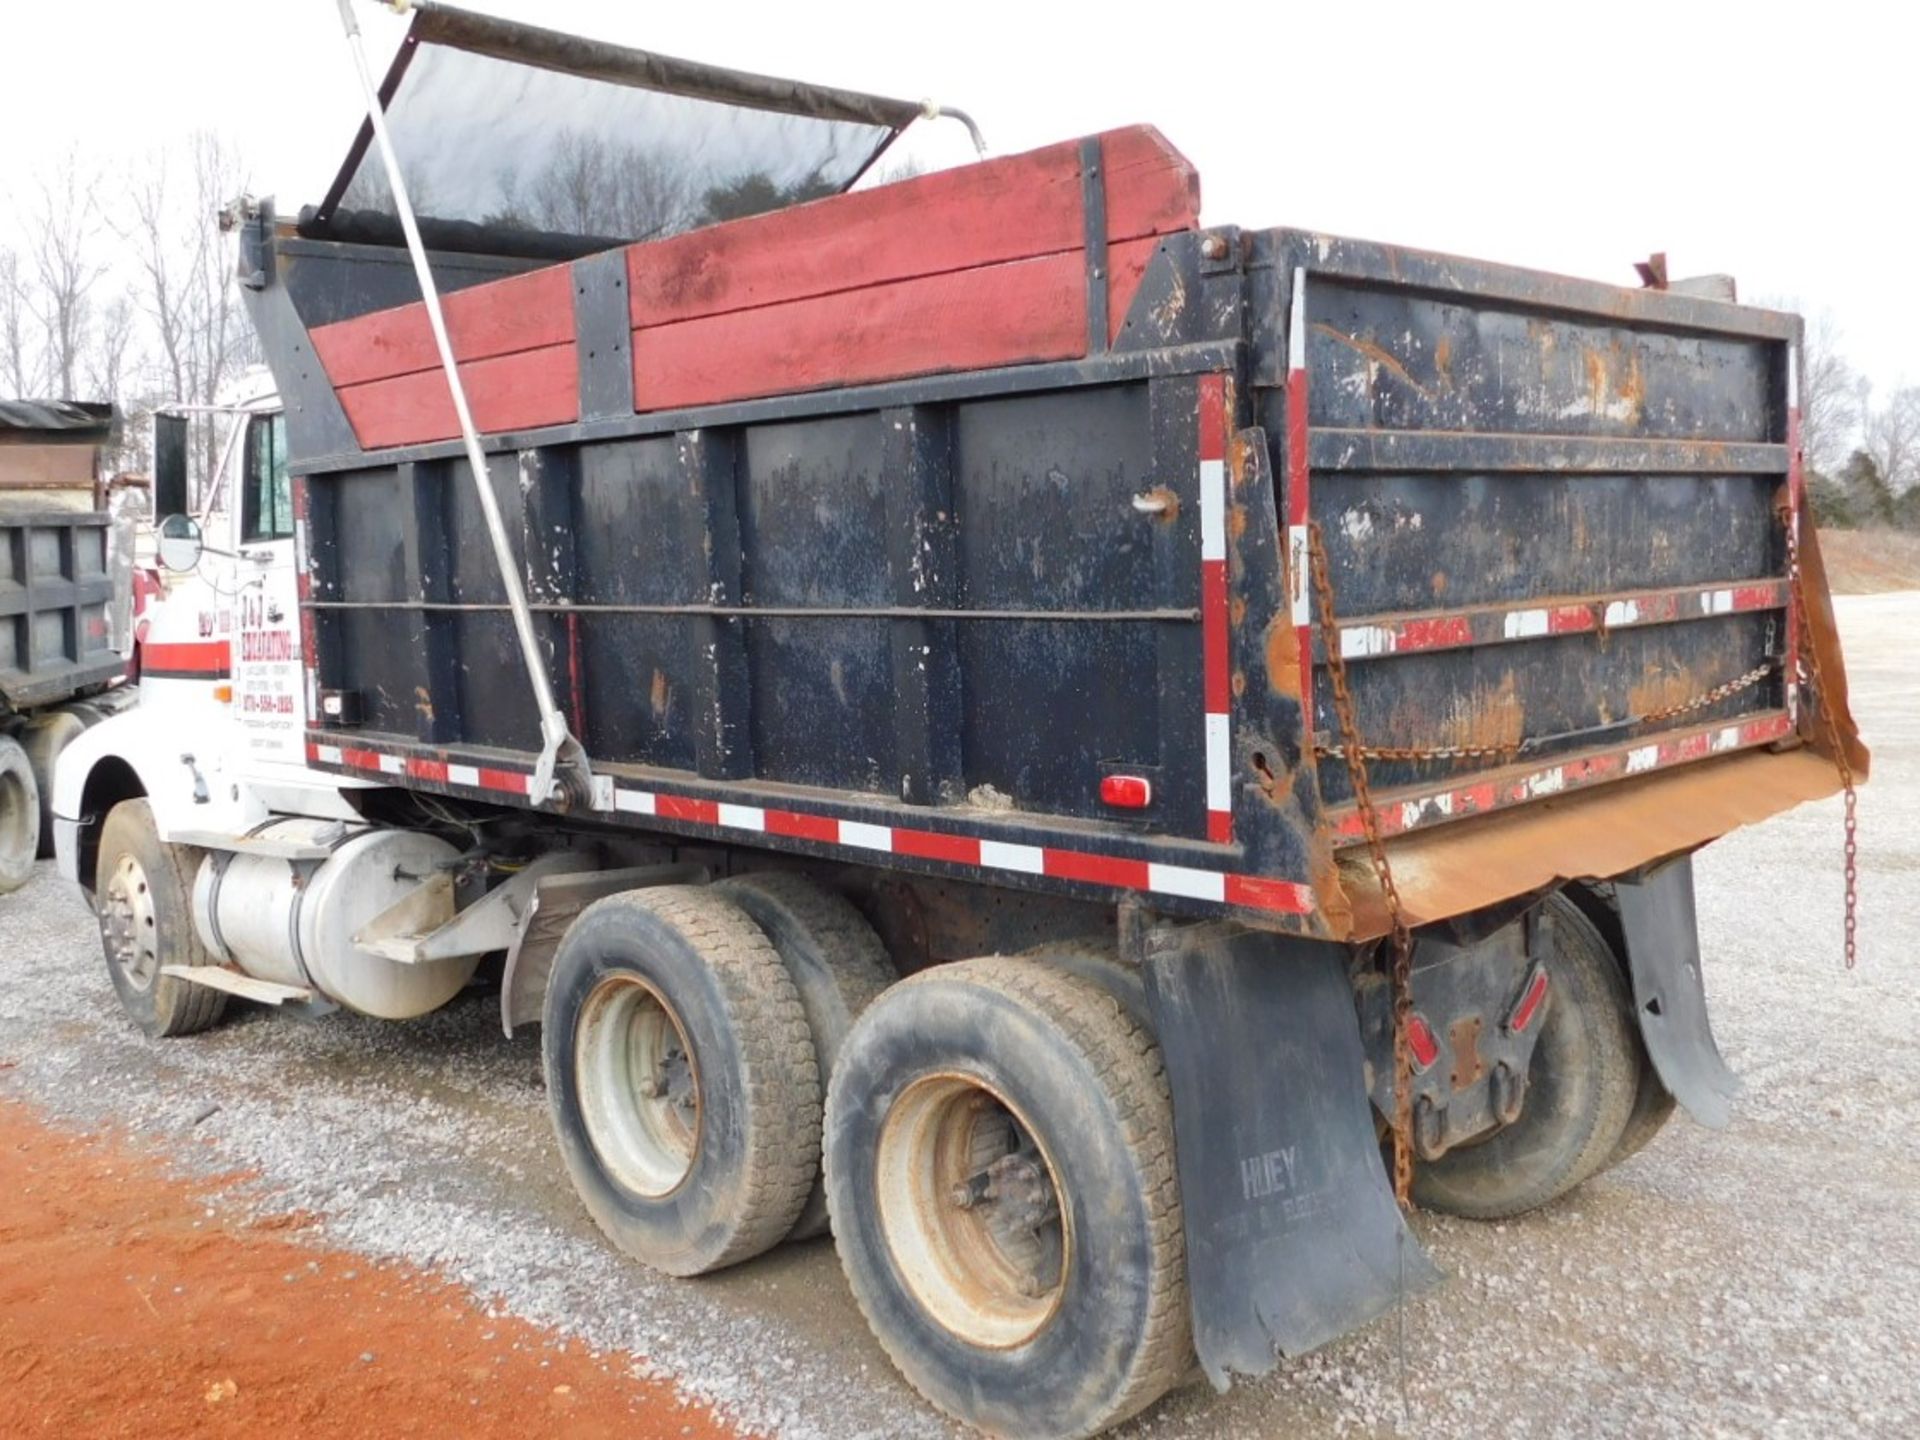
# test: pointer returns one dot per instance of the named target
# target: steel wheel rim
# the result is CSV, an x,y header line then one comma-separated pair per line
x,y
132,929
991,1269
639,1086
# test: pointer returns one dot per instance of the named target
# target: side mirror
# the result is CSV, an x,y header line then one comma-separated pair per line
x,y
170,465
180,545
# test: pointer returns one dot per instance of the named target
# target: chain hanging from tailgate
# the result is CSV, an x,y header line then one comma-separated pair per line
x,y
1400,938
1810,664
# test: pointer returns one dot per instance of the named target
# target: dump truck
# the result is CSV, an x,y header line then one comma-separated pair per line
x,y
62,586
1089,753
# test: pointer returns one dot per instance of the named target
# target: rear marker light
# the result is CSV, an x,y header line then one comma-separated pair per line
x,y
1126,792
1528,1005
1420,1041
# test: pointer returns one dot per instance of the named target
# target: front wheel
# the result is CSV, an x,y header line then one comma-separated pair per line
x,y
1000,1169
144,897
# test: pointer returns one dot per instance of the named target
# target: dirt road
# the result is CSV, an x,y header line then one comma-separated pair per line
x,y
1764,1280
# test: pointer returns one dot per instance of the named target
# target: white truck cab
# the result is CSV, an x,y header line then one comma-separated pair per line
x,y
216,743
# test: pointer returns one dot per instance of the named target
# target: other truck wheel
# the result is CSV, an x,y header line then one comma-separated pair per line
x,y
681,1078
19,816
1653,1103
1581,1088
43,741
144,897
1000,1168
838,966
1653,1106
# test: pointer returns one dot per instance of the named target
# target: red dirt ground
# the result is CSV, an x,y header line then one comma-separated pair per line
x,y
127,1311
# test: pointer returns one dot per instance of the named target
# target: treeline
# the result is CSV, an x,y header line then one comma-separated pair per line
x,y
1862,448
116,284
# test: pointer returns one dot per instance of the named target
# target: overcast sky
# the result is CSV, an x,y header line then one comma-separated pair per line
x,y
1776,143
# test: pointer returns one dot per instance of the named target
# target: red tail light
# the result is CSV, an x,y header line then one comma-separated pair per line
x,y
1126,792
1531,997
1420,1041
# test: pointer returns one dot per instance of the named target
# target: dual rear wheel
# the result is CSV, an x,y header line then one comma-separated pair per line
x,y
998,1156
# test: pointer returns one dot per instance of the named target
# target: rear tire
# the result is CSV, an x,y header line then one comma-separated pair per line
x,y
680,1078
19,816
43,741
144,899
1581,1088
1000,1168
838,965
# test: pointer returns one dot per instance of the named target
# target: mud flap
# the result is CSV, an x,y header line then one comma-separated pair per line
x,y
1293,1237
1663,958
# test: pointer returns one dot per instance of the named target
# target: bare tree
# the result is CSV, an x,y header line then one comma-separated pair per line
x,y
63,253
1830,413
1893,439
202,338
19,357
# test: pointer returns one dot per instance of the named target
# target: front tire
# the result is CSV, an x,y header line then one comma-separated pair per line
x,y
1000,1168
144,899
1581,1089
681,1079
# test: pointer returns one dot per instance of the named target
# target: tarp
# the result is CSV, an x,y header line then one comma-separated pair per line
x,y
529,134
70,417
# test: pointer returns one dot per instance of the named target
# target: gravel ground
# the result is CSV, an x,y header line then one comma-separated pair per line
x,y
1764,1280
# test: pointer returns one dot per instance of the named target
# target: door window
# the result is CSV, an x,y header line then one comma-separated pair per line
x,y
266,506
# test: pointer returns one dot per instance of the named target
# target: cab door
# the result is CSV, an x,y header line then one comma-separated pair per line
x,y
268,685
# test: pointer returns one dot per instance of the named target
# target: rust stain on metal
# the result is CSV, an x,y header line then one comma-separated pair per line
x,y
1489,720
660,693
1283,658
1661,688
1596,381
1443,362
1161,503
1464,1039
1375,355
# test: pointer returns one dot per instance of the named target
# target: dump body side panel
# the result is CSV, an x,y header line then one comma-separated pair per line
x,y
55,590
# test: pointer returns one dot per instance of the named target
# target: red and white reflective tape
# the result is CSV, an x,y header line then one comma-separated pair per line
x,y
1369,639
1299,556
1250,892
1796,499
1400,813
1214,630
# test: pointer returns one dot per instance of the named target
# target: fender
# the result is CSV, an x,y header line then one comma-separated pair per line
x,y
185,773
1662,939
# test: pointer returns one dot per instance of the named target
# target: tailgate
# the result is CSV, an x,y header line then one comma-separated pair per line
x,y
1555,518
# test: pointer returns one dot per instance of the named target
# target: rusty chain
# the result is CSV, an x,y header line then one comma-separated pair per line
x,y
1712,697
1400,939
1810,661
